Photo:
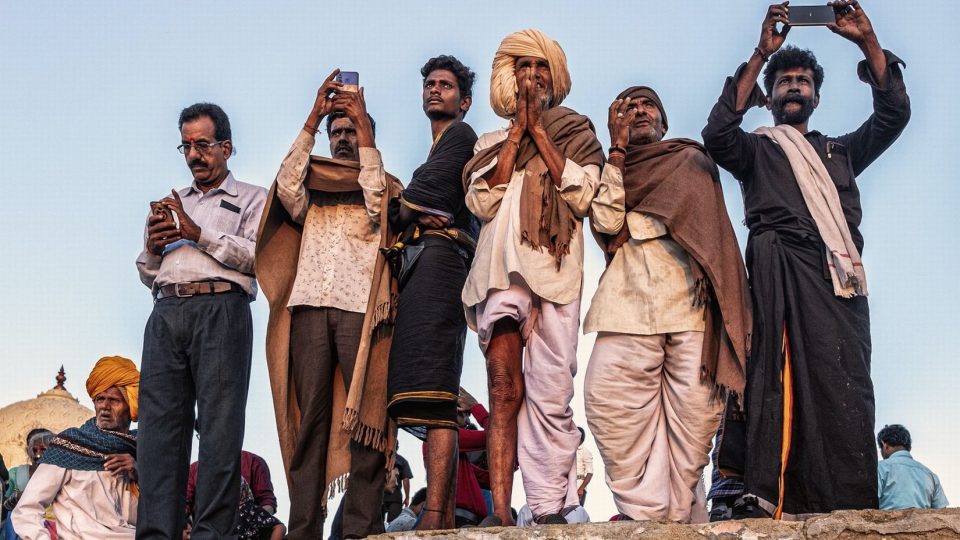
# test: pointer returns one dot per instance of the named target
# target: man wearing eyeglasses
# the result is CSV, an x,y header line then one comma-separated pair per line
x,y
198,262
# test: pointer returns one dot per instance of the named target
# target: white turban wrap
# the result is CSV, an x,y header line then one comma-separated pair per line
x,y
503,80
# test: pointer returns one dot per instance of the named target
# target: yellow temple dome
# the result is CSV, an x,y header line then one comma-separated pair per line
x,y
56,410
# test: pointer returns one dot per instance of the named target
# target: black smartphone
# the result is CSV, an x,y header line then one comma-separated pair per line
x,y
812,15
350,80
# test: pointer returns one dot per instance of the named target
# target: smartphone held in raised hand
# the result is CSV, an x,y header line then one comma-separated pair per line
x,y
812,15
350,81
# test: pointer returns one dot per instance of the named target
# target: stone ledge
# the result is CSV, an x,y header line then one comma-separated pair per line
x,y
840,525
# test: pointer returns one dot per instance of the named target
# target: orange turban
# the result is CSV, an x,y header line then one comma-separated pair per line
x,y
503,79
116,371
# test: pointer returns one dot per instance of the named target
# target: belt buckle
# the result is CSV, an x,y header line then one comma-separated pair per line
x,y
177,293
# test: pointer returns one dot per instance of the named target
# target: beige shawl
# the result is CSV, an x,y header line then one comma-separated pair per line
x,y
361,412
823,202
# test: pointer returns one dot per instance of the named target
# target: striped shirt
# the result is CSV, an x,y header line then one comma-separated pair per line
x,y
228,217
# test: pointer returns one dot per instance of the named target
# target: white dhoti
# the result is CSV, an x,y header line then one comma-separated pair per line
x,y
652,419
547,438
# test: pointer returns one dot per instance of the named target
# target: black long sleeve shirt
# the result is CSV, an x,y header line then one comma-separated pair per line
x,y
771,196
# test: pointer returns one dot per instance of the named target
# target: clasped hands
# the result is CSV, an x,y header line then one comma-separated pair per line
x,y
162,230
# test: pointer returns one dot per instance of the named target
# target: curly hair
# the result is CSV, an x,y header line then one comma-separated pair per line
x,y
792,57
221,122
894,435
465,76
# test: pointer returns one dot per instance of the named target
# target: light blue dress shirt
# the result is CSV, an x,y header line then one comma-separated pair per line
x,y
905,483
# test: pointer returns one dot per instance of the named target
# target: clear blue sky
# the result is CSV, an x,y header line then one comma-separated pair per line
x,y
90,93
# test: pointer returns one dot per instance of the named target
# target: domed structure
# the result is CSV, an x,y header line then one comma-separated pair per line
x,y
56,409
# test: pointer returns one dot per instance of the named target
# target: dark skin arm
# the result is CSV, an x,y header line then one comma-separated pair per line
x,y
324,102
118,464
161,232
189,229
507,157
549,152
770,42
355,107
854,25
619,119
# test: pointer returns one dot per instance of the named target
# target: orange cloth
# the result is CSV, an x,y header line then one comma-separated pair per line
x,y
116,371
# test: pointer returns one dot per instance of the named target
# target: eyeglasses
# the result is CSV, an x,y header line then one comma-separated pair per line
x,y
202,147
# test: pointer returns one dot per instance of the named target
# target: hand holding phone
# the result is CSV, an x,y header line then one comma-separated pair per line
x,y
158,209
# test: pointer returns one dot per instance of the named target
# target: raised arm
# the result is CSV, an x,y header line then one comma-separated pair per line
x,y
881,70
731,147
293,171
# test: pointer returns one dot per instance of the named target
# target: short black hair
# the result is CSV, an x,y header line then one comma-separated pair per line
x,y
792,57
465,76
583,434
419,497
894,435
221,122
340,114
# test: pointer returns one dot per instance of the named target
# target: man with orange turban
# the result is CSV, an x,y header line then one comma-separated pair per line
x,y
531,184
88,474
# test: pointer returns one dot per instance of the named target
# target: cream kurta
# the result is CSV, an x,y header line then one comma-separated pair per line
x,y
87,505
341,231
648,288
500,251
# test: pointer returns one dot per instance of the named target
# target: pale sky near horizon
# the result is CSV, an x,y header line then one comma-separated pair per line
x,y
90,93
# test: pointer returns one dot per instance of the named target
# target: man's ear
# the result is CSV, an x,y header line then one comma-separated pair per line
x,y
465,104
769,102
227,149
816,100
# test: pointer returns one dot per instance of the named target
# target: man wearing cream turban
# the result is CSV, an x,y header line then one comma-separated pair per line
x,y
531,184
88,474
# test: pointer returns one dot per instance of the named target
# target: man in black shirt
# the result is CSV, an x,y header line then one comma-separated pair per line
x,y
394,501
809,397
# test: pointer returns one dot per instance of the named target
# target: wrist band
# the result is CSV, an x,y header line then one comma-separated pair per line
x,y
612,155
616,149
764,57
311,130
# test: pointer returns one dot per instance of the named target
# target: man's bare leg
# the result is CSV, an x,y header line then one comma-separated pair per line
x,y
441,479
505,386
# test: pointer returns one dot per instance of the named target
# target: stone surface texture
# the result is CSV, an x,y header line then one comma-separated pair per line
x,y
841,525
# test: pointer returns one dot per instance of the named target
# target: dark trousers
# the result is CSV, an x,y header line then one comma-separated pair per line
x,y
391,509
195,350
321,339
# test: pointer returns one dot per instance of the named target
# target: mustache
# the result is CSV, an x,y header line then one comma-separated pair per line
x,y
199,162
344,146
793,98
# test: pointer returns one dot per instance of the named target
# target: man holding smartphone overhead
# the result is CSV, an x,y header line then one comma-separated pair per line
x,y
198,263
316,255
808,379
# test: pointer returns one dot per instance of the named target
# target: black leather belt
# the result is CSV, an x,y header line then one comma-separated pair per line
x,y
193,288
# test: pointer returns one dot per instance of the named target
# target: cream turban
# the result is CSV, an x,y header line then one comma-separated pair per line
x,y
503,81
117,371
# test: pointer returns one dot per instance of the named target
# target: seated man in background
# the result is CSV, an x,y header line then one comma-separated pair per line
x,y
902,481
89,474
407,519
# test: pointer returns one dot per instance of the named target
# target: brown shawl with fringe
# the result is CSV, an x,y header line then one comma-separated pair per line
x,y
676,181
545,218
361,412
